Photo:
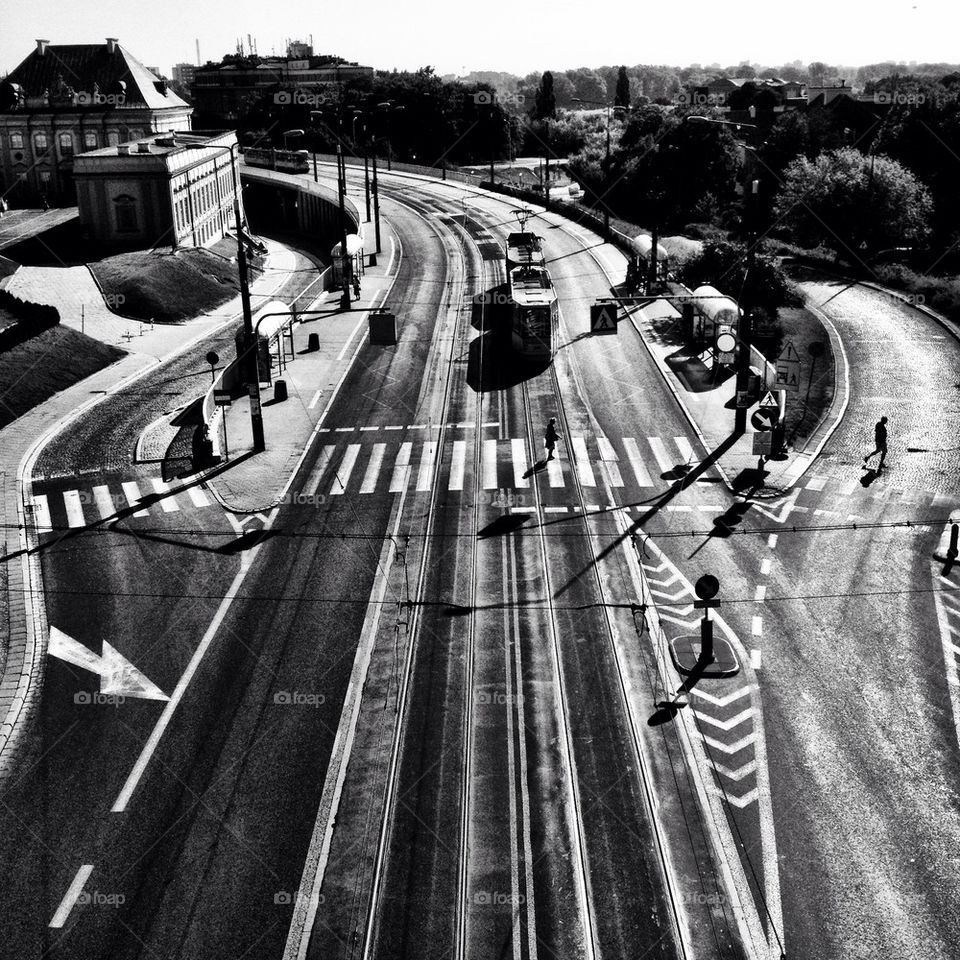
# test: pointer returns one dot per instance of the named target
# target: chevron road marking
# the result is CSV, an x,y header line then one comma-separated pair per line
x,y
725,724
739,802
730,748
740,773
721,701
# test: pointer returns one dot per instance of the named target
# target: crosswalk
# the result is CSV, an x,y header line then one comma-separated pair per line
x,y
348,468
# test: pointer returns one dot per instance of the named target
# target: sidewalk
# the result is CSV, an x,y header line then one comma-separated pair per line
x,y
708,402
257,482
22,623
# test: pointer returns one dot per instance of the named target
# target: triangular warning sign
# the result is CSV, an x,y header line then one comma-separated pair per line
x,y
768,400
604,318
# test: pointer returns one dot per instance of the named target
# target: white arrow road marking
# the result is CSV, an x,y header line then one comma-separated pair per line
x,y
117,674
669,596
726,724
664,583
791,504
749,767
733,747
740,802
721,701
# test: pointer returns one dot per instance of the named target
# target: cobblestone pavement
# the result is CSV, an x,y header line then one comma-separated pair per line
x,y
905,365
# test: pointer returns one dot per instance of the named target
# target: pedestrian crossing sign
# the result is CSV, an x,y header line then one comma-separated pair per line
x,y
603,318
769,400
788,368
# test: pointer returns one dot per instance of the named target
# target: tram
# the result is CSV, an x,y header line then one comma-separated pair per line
x,y
288,161
533,312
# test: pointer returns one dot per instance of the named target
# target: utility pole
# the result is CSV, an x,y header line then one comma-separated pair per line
x,y
344,256
376,207
745,333
366,181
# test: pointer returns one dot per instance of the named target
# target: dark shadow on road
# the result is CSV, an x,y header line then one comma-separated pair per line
x,y
503,525
667,710
724,524
538,467
493,366
869,475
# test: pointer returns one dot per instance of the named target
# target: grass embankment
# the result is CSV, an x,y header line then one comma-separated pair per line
x,y
167,286
45,364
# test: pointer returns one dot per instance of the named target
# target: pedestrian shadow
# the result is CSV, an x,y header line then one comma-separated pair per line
x,y
538,467
869,475
667,710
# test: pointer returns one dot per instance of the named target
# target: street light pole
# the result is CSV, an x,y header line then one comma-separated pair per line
x,y
376,206
344,256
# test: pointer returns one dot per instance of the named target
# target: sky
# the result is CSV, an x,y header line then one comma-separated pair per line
x,y
516,37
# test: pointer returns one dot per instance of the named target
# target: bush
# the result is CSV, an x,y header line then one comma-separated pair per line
x,y
31,319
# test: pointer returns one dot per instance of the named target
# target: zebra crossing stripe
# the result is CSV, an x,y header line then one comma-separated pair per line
x,y
427,459
71,500
197,497
660,454
519,451
316,474
41,514
168,502
103,500
457,462
816,483
401,469
131,491
489,465
369,483
639,470
341,476
584,470
555,473
610,459
686,450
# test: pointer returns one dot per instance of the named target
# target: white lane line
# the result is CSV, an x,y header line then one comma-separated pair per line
x,y
610,460
755,658
686,450
401,468
197,497
368,429
393,428
341,475
316,474
492,423
660,454
168,502
132,492
41,514
103,500
369,484
765,565
518,449
761,591
427,459
488,470
71,500
639,470
584,470
555,509
772,541
315,400
757,626
344,429
457,463
70,897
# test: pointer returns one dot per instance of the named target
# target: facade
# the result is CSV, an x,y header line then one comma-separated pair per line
x,y
168,189
184,73
727,93
63,100
224,92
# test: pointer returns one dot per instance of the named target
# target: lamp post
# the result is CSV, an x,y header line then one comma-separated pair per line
x,y
745,333
388,106
290,133
606,168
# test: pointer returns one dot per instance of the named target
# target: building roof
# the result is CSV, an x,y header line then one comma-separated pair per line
x,y
170,151
61,68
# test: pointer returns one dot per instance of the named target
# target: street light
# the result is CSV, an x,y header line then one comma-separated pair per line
x,y
387,106
290,133
614,107
745,333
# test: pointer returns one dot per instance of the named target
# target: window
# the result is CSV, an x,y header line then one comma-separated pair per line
x,y
136,134
45,177
113,138
66,144
125,208
90,140
41,145
16,140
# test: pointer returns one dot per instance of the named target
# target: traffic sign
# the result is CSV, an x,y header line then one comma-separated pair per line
x,y
762,444
603,318
788,368
726,343
221,398
764,418
769,400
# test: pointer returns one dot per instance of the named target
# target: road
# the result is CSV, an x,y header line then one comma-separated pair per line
x,y
418,713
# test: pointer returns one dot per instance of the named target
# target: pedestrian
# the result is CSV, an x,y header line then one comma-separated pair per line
x,y
880,439
550,438
356,287
46,205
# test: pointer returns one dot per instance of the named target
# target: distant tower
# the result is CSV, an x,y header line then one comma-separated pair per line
x,y
197,41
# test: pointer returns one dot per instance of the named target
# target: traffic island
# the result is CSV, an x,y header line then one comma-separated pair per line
x,y
692,657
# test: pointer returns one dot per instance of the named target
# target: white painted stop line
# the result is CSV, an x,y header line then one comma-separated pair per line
x,y
71,500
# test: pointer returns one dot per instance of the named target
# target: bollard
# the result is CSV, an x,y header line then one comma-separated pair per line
x,y
280,391
313,342
952,550
706,640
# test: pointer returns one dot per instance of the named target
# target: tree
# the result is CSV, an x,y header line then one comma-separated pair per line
x,y
622,96
853,203
545,106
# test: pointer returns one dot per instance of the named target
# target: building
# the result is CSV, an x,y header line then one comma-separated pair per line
x,y
223,93
739,93
65,99
168,189
184,73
